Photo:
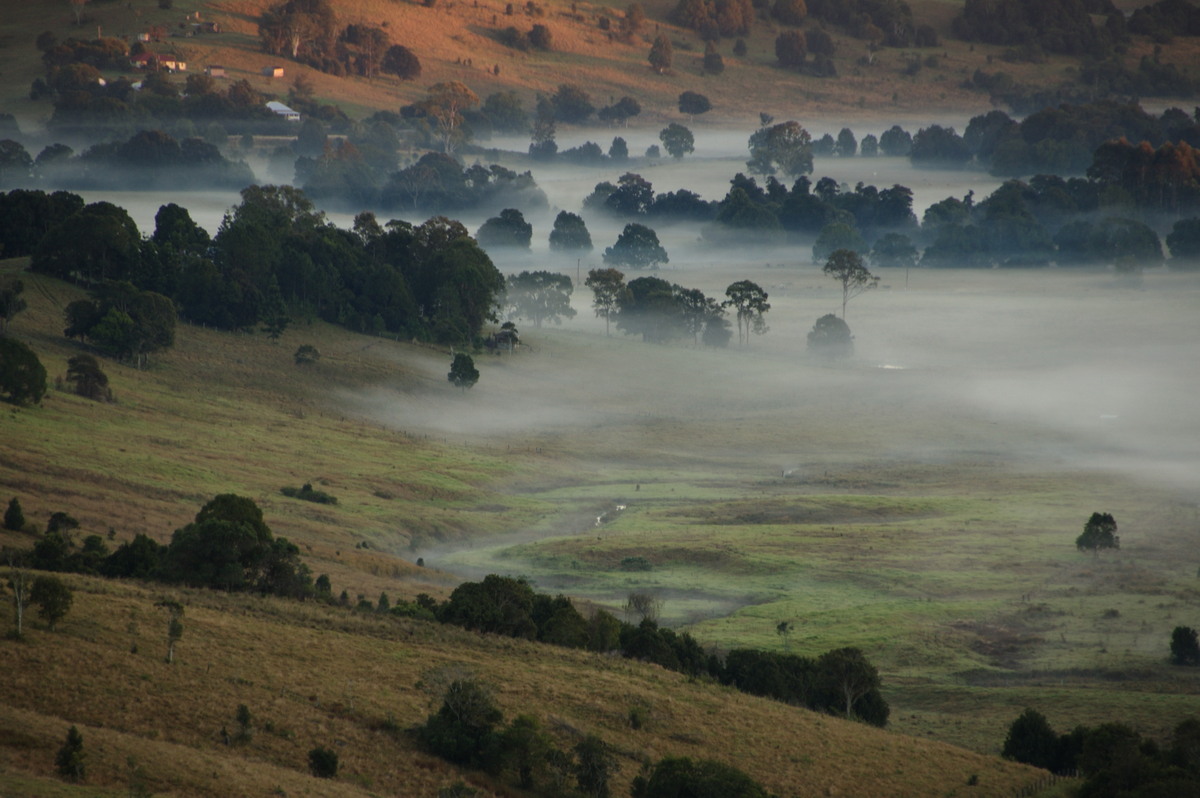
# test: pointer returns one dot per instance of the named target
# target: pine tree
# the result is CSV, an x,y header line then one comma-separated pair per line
x,y
69,760
661,54
14,517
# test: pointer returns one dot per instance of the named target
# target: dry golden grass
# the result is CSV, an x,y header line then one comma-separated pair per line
x,y
314,675
456,40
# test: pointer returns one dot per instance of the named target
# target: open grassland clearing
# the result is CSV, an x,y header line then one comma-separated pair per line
x,y
314,675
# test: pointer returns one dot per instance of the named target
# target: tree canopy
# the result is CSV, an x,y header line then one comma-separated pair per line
x,y
540,296
636,248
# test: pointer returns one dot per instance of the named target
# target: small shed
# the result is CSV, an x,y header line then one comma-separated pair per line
x,y
215,71
273,71
280,109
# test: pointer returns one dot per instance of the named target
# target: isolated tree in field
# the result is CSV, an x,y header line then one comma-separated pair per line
x,y
1031,740
847,268
847,145
791,49
677,140
637,248
830,337
607,286
244,720
643,605
693,103
1100,532
323,762
463,730
306,355
541,296
22,376
661,54
750,304
621,111
570,233
69,759
714,64
11,302
53,599
20,583
509,229
84,372
785,147
594,766
848,674
463,373
572,104
401,62
14,516
1185,646
174,625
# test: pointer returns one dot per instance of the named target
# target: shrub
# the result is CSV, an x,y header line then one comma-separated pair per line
x,y
323,762
69,759
1185,647
309,494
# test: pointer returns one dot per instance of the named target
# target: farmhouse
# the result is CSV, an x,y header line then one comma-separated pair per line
x,y
273,71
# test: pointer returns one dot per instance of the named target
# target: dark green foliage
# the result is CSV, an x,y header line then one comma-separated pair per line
x,y
52,597
830,337
306,355
89,380
595,765
621,111
785,147
661,54
714,64
309,494
1185,646
509,229
11,301
230,547
570,233
837,236
135,559
525,751
1031,740
847,144
1184,243
498,604
693,103
22,375
704,778
895,251
1100,532
463,730
896,142
636,248
572,104
14,517
937,146
69,761
463,373
677,140
323,762
1058,26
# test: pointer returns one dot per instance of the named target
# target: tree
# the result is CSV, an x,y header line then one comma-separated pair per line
x,y
572,104
541,296
504,110
791,49
174,625
11,301
790,12
896,142
835,236
677,140
463,373
637,248
1183,241
323,762
22,375
608,286
89,380
661,54
621,111
847,268
894,250
786,147
682,778
69,759
714,64
306,355
570,234
693,103
847,145
509,229
401,62
1100,532
445,105
1031,740
14,517
1185,646
750,302
15,163
830,337
847,673
53,598
540,37
20,584
463,729
618,150
594,766
650,307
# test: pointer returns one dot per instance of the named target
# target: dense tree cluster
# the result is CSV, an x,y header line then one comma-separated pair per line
x,y
1056,26
1113,758
308,31
438,183
227,547
713,19
273,251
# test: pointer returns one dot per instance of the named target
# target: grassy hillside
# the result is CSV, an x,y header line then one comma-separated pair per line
x,y
314,675
456,41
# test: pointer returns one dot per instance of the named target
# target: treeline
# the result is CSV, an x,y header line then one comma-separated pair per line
x,y
308,31
1113,758
274,255
227,547
840,682
149,160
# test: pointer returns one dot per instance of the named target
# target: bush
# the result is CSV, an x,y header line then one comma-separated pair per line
x,y
323,762
1185,647
69,759
309,494
683,778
